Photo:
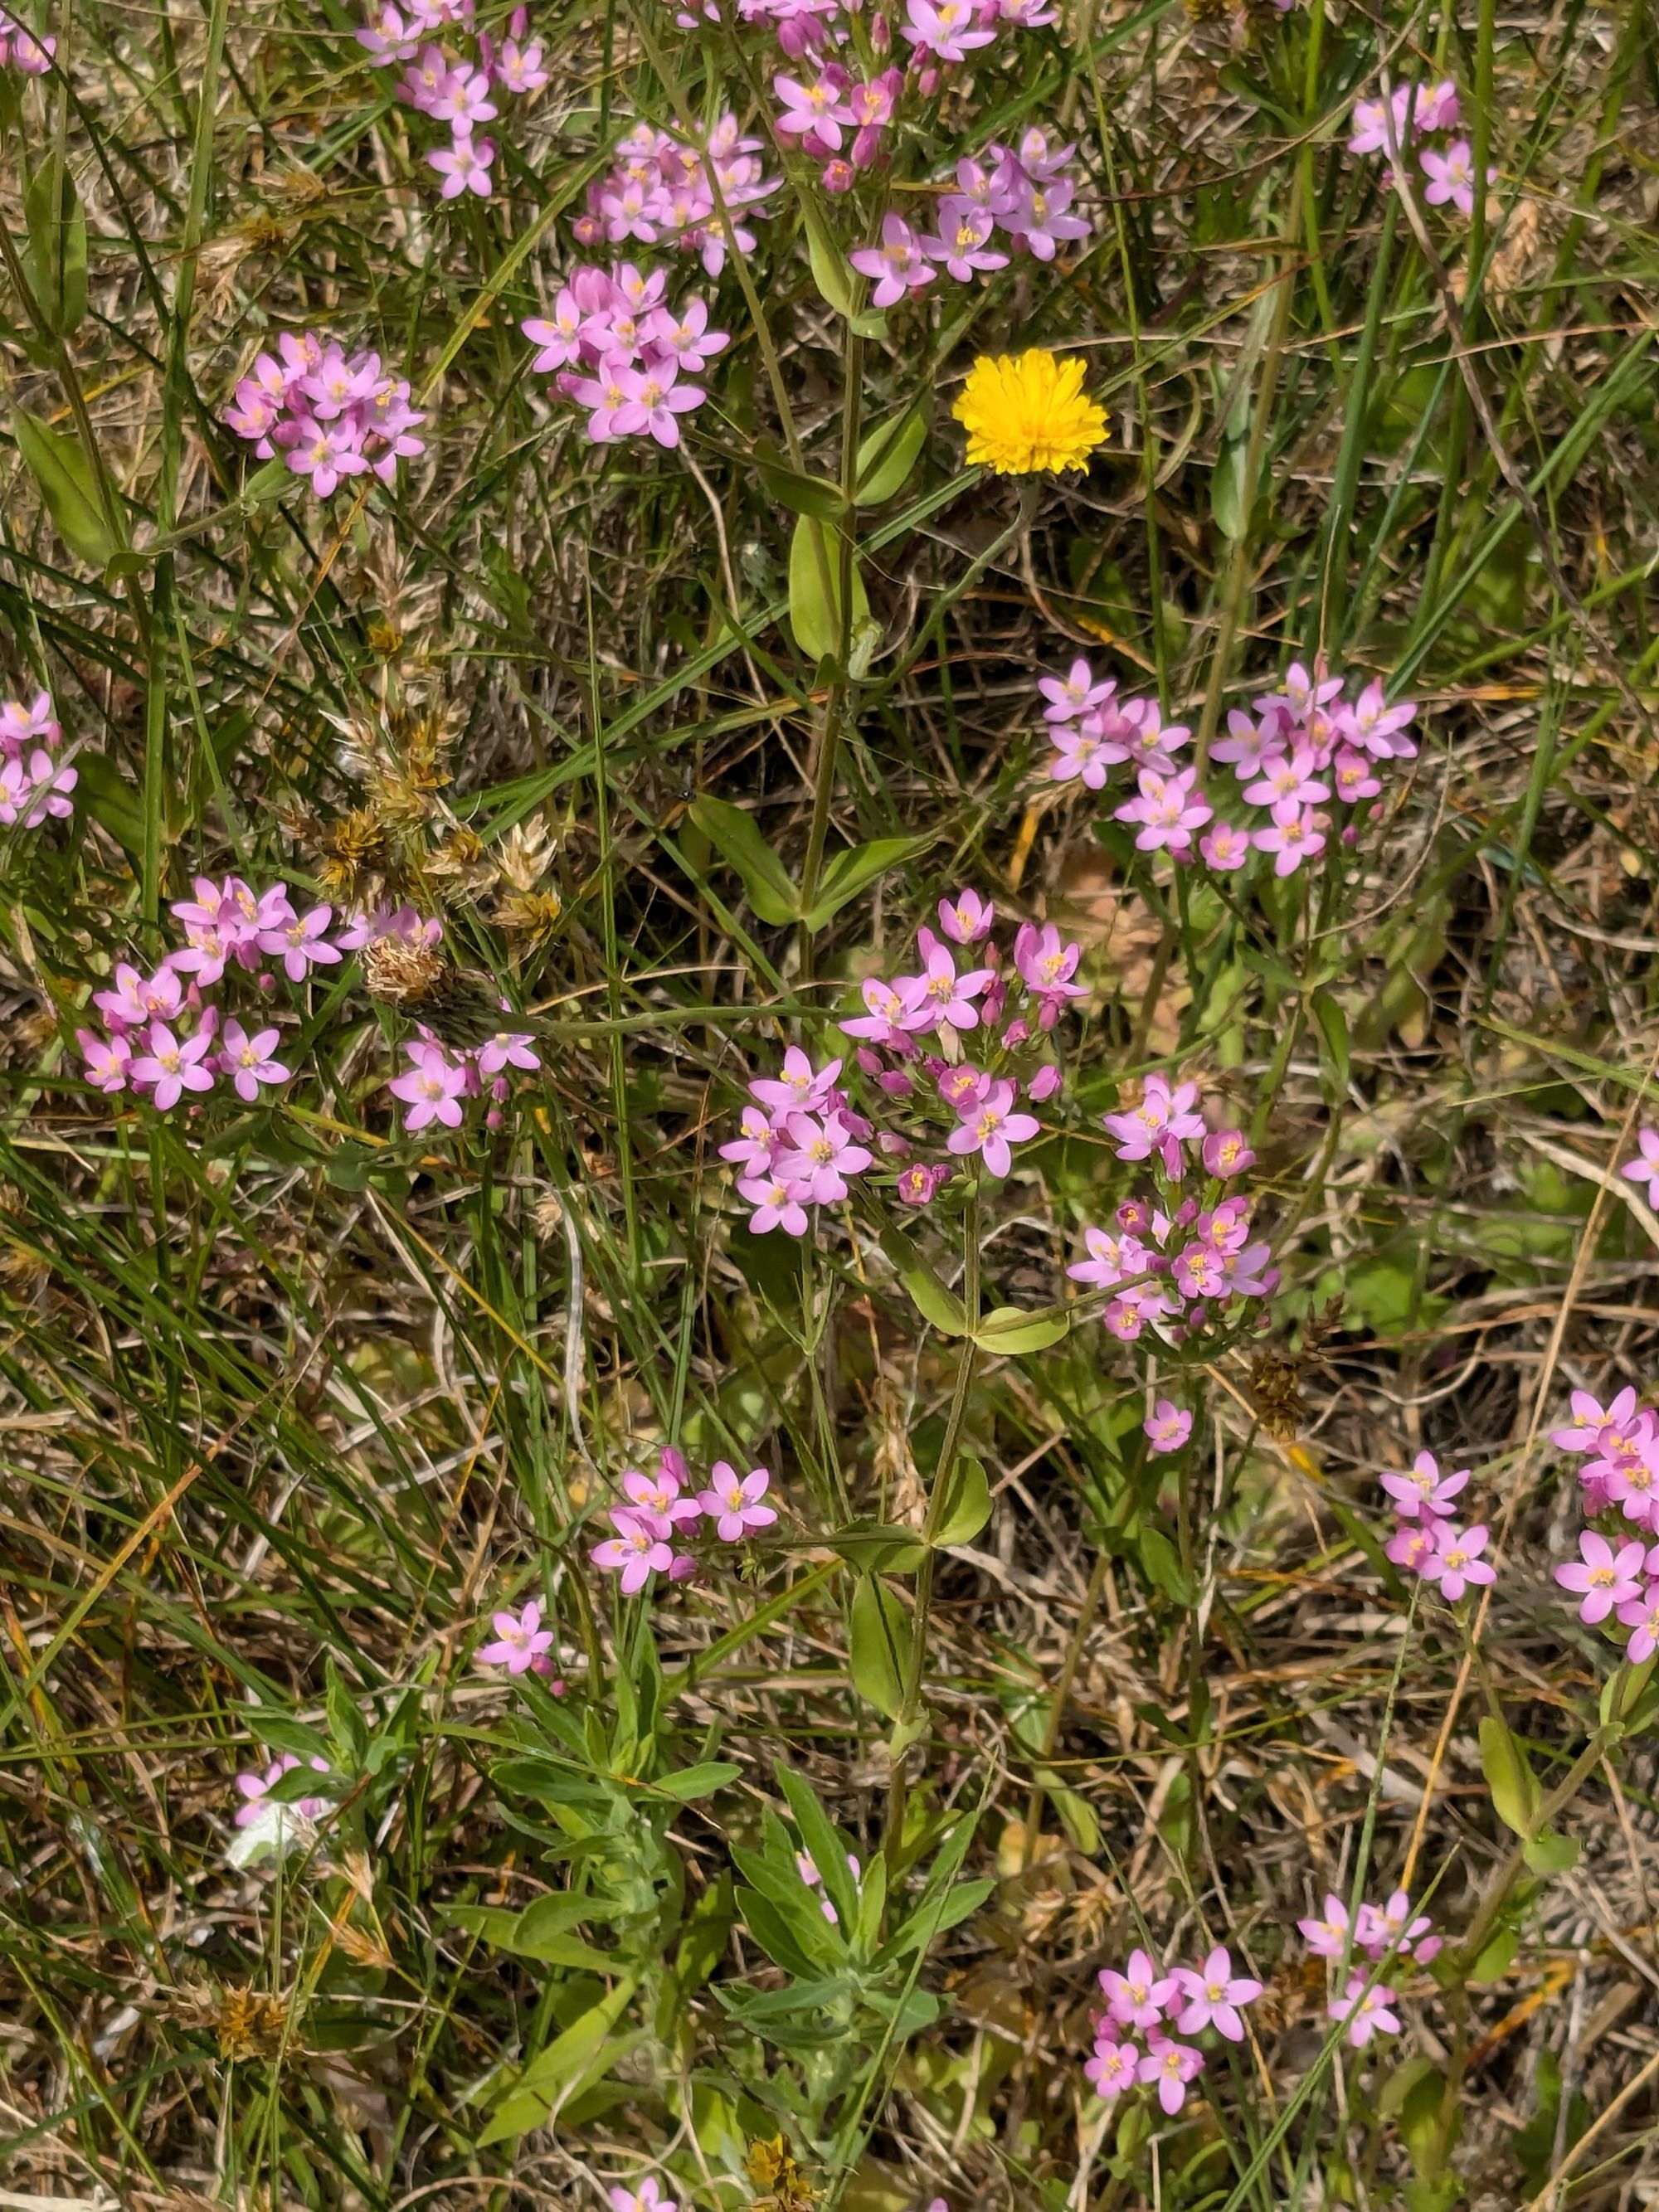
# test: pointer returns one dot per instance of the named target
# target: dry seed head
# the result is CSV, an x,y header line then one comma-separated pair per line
x,y
531,918
525,853
401,975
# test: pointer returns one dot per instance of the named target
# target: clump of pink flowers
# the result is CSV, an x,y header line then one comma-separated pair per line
x,y
1398,127
454,75
330,414
662,1511
619,350
1376,1932
1176,1264
1428,1540
255,1787
1303,750
441,1079
1618,1447
1144,2037
1017,193
35,777
949,1048
662,192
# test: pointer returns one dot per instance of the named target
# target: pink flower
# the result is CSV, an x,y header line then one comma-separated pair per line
x,y
300,943
1139,1995
938,994
819,108
107,1061
989,1128
174,1068
1287,780
1169,1426
1248,746
1390,1927
1292,836
945,30
255,1787
520,1640
1046,966
1591,1420
797,1083
324,451
1112,2068
819,1154
654,401
1366,2011
961,242
1081,754
685,339
1074,693
966,918
647,2198
1167,810
776,1206
1225,847
917,1185
1455,1560
1411,1545
1163,1120
897,266
432,1088
1644,1168
733,1502
1451,176
1226,1153
1172,2066
463,100
247,1062
1044,1083
662,1497
508,1048
1111,1258
1213,1994
464,166
641,1547
1606,1579
1328,1938
1641,1615
1371,725
1424,1493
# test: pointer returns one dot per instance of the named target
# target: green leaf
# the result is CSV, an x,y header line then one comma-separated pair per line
x,y
702,1781
345,1723
68,487
932,1300
734,835
1515,1793
879,1547
1497,1957
1550,1853
57,226
967,1506
800,494
1007,1330
1334,1028
111,801
1227,489
267,483
829,270
880,1646
824,1845
850,871
552,2074
1077,1817
887,454
815,611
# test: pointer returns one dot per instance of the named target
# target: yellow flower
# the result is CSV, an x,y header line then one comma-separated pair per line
x,y
1030,416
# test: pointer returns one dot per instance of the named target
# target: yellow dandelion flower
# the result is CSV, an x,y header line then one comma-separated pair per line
x,y
1029,416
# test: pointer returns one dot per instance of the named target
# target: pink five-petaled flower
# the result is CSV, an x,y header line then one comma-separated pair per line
x,y
733,1502
1160,1124
1451,176
1606,1578
1167,810
1213,1994
256,1787
1641,1616
938,994
945,30
1226,1153
1455,1560
654,401
640,1546
1172,2066
173,1067
776,1206
1366,2011
898,264
247,1062
1328,1938
1293,835
1074,693
1390,1927
821,1154
1169,1426
1047,966
1112,2068
1138,1996
647,2197
966,918
818,109
884,1022
989,1128
107,1061
432,1088
1412,1545
1424,1493
661,1496
1645,1167
464,166
1591,1421
520,1640
301,944
799,1083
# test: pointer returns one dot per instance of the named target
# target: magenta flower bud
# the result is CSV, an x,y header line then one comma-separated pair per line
x,y
838,176
928,81
1017,1033
933,1065
894,1145
868,1060
881,34
1226,1153
1350,834
896,1083
588,230
1044,1083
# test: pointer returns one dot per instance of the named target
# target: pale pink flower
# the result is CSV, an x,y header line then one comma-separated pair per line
x,y
1167,1430
1328,1938
431,1088
520,1640
1112,2068
247,1062
1172,2066
107,1061
1645,1166
989,1126
173,1067
1367,2012
256,1787
1139,1995
1641,1616
1424,1493
641,1547
1606,1579
464,166
735,1502
1456,1561
1213,1994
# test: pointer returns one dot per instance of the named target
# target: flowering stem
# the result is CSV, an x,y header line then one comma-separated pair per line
x,y
910,1703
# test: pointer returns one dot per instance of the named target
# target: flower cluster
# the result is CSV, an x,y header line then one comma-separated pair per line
x,y
1618,1447
456,87
441,1079
1017,190
664,192
1397,126
804,1136
265,1825
1304,748
1138,2038
1175,1265
20,50
256,1787
1428,1539
619,350
165,1039
329,413
1377,1932
35,780
661,1513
